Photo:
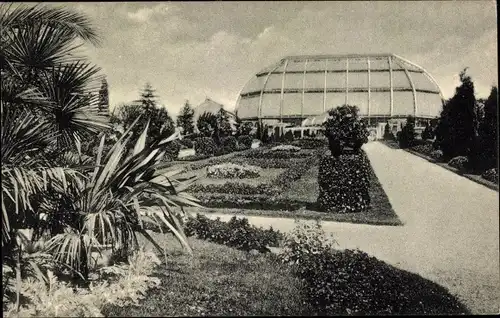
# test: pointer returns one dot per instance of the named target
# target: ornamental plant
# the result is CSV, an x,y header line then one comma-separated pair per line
x,y
231,170
344,128
289,148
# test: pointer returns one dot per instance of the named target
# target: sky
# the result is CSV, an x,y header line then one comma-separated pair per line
x,y
193,50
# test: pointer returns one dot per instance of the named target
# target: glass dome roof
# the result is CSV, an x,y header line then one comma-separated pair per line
x,y
382,85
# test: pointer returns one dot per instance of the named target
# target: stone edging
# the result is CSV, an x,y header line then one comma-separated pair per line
x,y
477,179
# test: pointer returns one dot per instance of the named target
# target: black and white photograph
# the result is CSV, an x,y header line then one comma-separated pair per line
x,y
249,158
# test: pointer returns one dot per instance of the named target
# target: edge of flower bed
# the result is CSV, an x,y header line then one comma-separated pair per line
x,y
475,178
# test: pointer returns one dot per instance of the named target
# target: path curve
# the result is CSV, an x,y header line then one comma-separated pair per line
x,y
451,231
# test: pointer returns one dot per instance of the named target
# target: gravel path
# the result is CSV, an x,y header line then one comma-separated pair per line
x,y
451,231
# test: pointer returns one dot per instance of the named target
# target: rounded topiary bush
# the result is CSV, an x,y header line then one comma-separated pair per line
x,y
205,146
459,162
344,183
229,144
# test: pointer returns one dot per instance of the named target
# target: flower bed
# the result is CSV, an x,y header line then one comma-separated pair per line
x,y
267,154
344,183
235,188
285,148
310,143
253,201
230,170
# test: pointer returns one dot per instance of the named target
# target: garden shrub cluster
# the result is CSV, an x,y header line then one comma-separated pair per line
x,y
245,142
187,143
344,183
237,233
172,150
351,282
235,188
254,201
425,149
295,171
205,146
459,162
268,154
265,163
491,175
231,170
437,155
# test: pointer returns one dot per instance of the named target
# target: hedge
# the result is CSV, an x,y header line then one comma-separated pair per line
x,y
205,146
235,188
344,183
237,233
252,202
245,142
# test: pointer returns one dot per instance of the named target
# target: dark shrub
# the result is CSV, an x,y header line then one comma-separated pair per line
x,y
188,143
425,149
237,233
491,175
407,134
266,154
345,128
253,201
388,133
195,157
229,144
245,141
459,162
288,137
437,155
205,146
172,150
344,183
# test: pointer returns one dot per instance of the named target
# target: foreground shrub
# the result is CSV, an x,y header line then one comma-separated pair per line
x,y
344,183
237,233
437,155
491,175
289,148
253,201
353,283
459,162
245,142
121,285
425,149
230,170
188,143
205,146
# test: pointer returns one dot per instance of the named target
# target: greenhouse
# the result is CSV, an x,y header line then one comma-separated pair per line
x,y
299,90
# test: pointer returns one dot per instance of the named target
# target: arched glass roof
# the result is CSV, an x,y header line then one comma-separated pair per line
x,y
382,85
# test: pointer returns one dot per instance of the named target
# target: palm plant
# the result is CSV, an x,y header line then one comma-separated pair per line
x,y
49,102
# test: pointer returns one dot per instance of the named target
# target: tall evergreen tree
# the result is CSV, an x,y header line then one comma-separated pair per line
x,y
488,131
186,119
456,131
223,125
104,97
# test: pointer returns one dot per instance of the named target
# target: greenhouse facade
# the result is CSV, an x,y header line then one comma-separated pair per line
x,y
299,90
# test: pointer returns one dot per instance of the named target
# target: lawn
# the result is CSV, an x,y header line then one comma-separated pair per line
x,y
221,281
218,281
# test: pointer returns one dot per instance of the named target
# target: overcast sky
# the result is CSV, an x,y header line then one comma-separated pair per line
x,y
193,50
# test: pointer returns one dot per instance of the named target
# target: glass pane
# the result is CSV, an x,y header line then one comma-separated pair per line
x,y
403,103
428,104
316,65
294,80
295,66
335,80
399,79
358,80
270,105
334,100
248,107
358,64
315,80
360,100
336,65
274,81
379,79
379,64
255,84
380,103
421,81
313,103
292,103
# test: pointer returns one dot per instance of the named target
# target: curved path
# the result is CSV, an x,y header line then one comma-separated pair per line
x,y
451,231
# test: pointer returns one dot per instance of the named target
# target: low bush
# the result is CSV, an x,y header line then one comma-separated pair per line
x,y
436,155
491,175
288,136
245,142
237,233
309,143
459,162
205,146
344,183
265,163
188,143
172,150
230,170
425,149
351,282
289,148
195,157
229,144
235,188
267,154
